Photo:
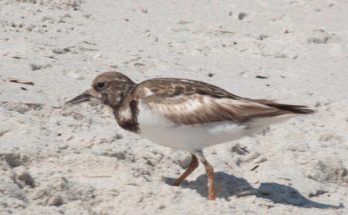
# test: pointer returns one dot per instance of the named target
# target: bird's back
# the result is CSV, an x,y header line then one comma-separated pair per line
x,y
193,102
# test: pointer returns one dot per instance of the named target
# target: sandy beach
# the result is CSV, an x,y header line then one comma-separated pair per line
x,y
58,159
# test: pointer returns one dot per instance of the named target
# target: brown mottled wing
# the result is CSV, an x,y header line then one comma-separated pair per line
x,y
191,102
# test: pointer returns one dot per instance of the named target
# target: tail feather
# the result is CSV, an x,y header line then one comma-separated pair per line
x,y
298,109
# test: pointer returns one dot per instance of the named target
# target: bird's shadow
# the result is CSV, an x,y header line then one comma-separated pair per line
x,y
228,185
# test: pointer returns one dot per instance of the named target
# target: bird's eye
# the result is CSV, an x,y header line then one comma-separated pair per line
x,y
100,85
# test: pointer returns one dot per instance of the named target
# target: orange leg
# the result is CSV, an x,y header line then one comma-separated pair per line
x,y
210,173
192,166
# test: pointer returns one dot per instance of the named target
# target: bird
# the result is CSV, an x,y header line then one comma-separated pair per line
x,y
185,114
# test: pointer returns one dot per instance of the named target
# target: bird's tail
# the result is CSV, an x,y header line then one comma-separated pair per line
x,y
297,109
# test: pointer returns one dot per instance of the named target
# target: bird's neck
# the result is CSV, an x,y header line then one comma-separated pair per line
x,y
126,112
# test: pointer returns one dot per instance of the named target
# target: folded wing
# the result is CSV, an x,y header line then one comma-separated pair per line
x,y
202,103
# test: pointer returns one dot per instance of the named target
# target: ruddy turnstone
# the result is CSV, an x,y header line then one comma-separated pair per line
x,y
185,114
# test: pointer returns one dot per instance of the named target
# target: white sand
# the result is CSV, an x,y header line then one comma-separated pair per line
x,y
76,160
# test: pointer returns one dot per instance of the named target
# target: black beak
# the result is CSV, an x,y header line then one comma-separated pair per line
x,y
80,98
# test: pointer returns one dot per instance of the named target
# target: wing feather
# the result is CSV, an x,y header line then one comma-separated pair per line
x,y
191,102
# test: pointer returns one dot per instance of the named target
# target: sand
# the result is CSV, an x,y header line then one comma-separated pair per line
x,y
56,159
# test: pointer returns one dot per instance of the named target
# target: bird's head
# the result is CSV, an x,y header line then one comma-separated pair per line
x,y
108,87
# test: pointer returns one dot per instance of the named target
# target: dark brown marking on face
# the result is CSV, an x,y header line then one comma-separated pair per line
x,y
113,87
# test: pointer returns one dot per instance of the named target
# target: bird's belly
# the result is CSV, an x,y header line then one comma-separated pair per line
x,y
193,138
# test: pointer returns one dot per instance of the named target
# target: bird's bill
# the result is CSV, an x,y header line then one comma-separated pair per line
x,y
85,96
